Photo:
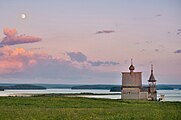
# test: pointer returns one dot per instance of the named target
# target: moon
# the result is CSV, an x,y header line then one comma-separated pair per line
x,y
23,15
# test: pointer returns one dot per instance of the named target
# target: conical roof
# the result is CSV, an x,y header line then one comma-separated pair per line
x,y
152,78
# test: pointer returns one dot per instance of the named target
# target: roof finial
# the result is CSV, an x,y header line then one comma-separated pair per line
x,y
131,68
131,61
151,68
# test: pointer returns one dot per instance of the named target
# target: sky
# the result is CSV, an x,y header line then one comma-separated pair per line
x,y
89,41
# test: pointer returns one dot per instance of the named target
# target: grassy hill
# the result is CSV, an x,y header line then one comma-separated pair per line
x,y
73,108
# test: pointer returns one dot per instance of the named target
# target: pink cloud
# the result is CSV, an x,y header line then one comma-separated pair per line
x,y
20,60
17,60
9,32
22,64
12,38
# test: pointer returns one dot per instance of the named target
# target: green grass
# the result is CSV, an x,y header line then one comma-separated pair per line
x,y
73,108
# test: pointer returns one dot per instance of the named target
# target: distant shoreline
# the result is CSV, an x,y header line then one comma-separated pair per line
x,y
112,88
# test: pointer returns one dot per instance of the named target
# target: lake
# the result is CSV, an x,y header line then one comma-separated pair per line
x,y
170,95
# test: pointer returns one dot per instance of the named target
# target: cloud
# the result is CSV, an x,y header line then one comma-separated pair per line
x,y
22,64
80,57
77,56
156,50
158,15
137,43
9,32
99,63
12,38
142,50
178,51
37,48
105,31
178,31
15,60
28,63
148,42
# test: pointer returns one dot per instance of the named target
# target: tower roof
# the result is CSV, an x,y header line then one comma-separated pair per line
x,y
152,78
131,68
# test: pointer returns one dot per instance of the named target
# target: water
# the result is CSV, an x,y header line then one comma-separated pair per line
x,y
48,91
170,95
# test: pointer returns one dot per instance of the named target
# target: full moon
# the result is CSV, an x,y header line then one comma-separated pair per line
x,y
23,15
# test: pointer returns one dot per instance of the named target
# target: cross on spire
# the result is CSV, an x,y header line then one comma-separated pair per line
x,y
131,61
131,68
152,68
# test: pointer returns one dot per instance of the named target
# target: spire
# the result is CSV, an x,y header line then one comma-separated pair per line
x,y
152,78
131,68
151,68
131,61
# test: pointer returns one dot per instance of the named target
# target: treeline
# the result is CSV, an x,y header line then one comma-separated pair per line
x,y
22,87
104,87
158,87
117,88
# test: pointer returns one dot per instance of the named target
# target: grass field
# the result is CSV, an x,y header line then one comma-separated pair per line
x,y
73,108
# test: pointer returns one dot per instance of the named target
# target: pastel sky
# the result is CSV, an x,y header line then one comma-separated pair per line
x,y
89,41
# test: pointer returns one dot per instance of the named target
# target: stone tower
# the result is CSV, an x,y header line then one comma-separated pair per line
x,y
152,93
131,83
